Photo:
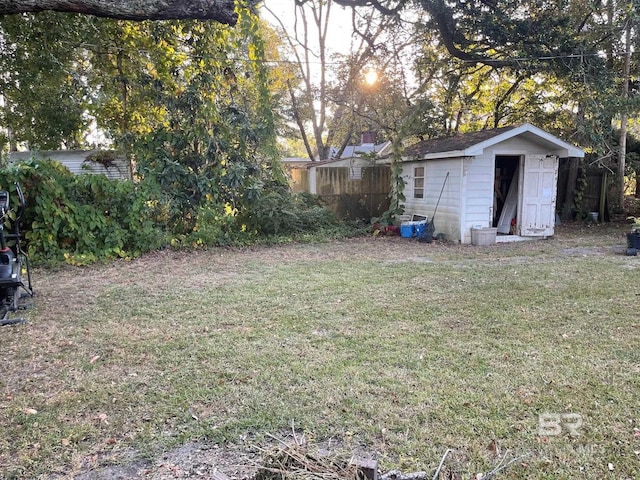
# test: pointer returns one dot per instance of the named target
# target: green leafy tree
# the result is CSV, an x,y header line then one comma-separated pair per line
x,y
190,102
44,90
214,150
131,64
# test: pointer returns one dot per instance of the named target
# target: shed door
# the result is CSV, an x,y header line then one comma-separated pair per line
x,y
539,186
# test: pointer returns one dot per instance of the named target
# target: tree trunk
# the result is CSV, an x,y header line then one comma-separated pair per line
x,y
219,10
572,178
624,117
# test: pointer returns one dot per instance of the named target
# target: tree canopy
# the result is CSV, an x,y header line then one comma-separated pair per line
x,y
552,58
187,101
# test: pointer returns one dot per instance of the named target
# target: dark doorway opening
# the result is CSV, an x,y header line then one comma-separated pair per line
x,y
506,169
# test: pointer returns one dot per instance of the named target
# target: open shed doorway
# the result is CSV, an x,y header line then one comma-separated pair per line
x,y
505,193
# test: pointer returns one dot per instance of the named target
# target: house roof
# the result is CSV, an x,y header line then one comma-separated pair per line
x,y
357,150
474,143
354,151
295,161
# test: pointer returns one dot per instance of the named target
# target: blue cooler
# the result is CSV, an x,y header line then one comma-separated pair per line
x,y
407,230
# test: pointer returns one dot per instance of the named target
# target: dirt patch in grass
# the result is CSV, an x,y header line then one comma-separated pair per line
x,y
191,460
263,458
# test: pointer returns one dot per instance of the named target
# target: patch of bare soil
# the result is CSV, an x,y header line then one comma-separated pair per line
x,y
192,460
293,458
246,460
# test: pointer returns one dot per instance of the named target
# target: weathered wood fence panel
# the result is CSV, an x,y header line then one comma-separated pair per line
x,y
592,194
355,192
299,181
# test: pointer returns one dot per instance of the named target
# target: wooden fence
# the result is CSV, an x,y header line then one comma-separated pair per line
x,y
355,192
595,197
299,180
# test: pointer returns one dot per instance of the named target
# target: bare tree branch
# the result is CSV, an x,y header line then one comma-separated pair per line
x,y
378,5
442,19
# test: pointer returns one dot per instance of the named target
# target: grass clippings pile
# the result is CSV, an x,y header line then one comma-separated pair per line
x,y
298,460
408,349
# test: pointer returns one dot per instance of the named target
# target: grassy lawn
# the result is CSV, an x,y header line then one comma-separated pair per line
x,y
402,348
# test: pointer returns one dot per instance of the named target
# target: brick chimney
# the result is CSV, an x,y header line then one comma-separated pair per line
x,y
367,138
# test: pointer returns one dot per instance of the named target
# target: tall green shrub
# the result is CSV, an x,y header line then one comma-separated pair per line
x,y
84,218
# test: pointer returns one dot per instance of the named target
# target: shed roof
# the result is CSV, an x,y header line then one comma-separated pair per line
x,y
474,143
296,162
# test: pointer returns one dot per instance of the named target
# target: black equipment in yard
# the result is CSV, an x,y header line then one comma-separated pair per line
x,y
427,234
14,263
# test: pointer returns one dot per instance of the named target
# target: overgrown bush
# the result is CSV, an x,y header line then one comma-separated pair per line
x,y
81,218
217,225
278,212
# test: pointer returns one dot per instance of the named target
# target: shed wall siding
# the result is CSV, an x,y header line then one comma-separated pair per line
x,y
468,198
478,191
447,218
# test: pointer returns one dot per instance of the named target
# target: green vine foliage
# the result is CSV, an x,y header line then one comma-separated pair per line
x,y
396,193
397,182
578,197
81,219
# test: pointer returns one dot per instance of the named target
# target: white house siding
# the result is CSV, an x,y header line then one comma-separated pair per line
x,y
448,214
77,163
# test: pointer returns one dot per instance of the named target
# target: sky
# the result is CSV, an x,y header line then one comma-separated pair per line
x,y
339,32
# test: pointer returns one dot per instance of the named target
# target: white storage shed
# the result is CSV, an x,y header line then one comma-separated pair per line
x,y
504,178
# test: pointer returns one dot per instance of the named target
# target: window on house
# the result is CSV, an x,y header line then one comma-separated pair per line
x,y
418,182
